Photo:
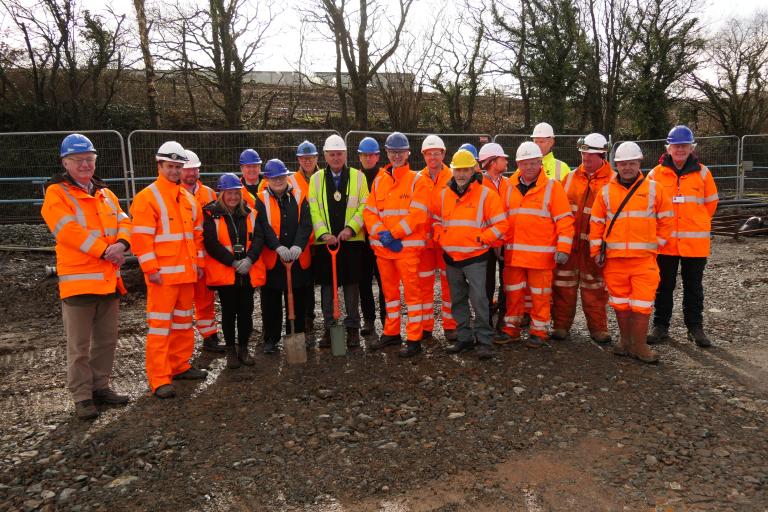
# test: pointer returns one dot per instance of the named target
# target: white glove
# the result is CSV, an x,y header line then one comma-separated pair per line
x,y
561,257
284,253
244,266
295,252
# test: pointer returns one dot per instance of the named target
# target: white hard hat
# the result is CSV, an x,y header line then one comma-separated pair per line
x,y
193,161
628,151
543,130
528,150
171,151
489,151
432,142
593,143
334,143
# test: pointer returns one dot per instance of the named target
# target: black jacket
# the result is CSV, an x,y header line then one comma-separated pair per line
x,y
238,233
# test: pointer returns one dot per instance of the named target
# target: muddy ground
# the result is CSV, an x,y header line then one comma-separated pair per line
x,y
569,427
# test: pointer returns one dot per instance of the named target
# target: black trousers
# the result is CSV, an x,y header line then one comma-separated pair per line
x,y
274,304
490,284
692,272
369,270
236,308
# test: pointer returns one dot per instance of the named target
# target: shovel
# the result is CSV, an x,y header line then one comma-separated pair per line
x,y
338,334
295,348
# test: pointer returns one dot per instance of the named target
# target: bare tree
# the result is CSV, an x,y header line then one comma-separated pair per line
x,y
736,91
401,85
149,64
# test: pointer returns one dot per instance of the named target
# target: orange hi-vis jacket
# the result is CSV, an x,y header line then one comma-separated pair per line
x,y
582,189
219,274
84,225
167,232
643,225
204,194
540,224
436,185
467,226
398,203
694,201
273,217
501,190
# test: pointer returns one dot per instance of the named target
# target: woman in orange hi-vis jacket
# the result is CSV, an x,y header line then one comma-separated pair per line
x,y
694,200
395,216
641,227
539,237
167,237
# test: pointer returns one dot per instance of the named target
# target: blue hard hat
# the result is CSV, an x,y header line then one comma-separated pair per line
x,y
680,134
306,148
469,147
396,140
229,181
76,143
368,145
249,156
274,169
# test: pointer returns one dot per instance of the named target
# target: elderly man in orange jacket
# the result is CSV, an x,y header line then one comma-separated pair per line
x,y
92,234
468,222
540,236
167,237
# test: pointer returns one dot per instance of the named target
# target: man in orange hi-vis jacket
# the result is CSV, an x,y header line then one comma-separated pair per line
x,y
540,236
642,226
167,237
92,234
205,315
395,216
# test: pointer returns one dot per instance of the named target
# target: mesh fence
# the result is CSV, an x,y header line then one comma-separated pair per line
x,y
30,159
219,151
754,148
452,142
564,149
719,154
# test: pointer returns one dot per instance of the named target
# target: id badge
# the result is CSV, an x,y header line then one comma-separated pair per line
x,y
678,199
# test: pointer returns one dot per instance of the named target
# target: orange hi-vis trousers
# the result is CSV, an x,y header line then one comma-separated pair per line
x,y
539,282
170,340
579,274
632,283
431,260
393,272
205,315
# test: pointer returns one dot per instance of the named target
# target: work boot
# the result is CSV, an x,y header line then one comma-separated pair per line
x,y
211,344
559,334
165,391
270,347
385,340
639,334
460,346
191,374
659,334
450,335
502,338
485,352
353,337
600,337
534,342
107,396
410,349
696,334
624,345
233,362
426,335
86,410
244,356
325,341
369,328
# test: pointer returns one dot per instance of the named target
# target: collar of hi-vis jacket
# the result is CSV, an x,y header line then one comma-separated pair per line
x,y
425,172
168,186
541,180
398,172
604,171
63,177
691,165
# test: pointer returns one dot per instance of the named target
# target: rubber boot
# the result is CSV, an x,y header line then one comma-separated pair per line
x,y
233,362
624,345
639,334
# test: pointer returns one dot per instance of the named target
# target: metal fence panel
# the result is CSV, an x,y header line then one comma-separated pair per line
x,y
565,147
720,154
754,148
219,151
452,143
30,159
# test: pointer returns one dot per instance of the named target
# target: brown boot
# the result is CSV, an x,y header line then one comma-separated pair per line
x,y
639,334
624,345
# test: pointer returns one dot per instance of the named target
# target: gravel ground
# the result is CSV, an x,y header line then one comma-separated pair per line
x,y
569,427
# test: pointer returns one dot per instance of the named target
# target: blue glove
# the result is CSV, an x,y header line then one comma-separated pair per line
x,y
396,246
385,237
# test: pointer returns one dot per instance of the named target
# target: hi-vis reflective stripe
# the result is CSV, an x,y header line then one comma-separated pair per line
x,y
419,206
514,287
668,213
618,300
632,245
713,197
183,312
406,243
143,230
180,327
640,303
96,276
157,331
406,228
158,316
568,180
393,304
532,248
558,166
564,240
88,243
393,213
459,248
540,291
172,269
78,211
427,273
147,256
690,234
393,314
164,220
66,219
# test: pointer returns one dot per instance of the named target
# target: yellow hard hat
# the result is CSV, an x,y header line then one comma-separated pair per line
x,y
463,159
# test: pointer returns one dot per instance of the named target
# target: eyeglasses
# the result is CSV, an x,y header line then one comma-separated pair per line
x,y
91,160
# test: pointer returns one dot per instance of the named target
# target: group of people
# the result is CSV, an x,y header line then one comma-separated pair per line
x,y
544,234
